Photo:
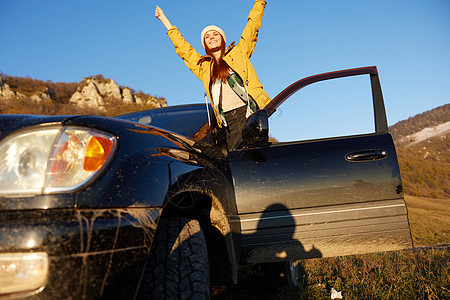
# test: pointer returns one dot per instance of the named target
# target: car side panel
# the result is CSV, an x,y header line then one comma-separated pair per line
x,y
306,199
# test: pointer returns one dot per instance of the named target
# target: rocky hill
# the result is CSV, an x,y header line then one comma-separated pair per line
x,y
93,95
423,149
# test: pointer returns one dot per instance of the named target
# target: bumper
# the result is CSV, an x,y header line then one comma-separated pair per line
x,y
92,253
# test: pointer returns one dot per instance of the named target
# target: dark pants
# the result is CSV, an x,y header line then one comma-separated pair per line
x,y
236,122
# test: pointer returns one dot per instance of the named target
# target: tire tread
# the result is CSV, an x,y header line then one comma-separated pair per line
x,y
177,266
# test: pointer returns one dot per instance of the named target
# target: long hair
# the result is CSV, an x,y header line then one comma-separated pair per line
x,y
220,68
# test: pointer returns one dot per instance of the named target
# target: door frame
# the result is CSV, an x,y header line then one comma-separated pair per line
x,y
381,125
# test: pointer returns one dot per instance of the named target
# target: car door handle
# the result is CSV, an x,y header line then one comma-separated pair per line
x,y
366,155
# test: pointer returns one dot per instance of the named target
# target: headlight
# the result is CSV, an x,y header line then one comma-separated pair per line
x,y
50,160
22,272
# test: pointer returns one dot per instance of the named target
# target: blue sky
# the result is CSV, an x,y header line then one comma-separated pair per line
x,y
65,41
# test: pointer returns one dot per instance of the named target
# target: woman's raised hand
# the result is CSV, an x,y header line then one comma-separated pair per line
x,y
159,13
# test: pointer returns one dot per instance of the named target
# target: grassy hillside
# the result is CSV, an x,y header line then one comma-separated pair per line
x,y
425,168
420,121
425,165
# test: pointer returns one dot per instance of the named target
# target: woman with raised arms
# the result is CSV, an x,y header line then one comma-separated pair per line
x,y
227,74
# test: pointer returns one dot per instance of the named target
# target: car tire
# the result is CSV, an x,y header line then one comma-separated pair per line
x,y
177,266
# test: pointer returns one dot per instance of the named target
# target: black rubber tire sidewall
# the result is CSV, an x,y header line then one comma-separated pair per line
x,y
177,266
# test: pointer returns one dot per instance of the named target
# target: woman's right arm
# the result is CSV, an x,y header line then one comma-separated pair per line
x,y
182,47
159,14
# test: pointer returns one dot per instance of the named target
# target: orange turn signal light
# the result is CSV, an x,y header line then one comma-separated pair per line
x,y
97,152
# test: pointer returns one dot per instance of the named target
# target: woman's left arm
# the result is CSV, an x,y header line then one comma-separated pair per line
x,y
250,34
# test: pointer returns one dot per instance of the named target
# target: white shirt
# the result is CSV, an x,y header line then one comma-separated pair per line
x,y
225,96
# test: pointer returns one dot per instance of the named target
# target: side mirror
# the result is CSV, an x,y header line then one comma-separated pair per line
x,y
257,129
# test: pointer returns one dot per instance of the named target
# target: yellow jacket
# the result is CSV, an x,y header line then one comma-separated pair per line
x,y
237,57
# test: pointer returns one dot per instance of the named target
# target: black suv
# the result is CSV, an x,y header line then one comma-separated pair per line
x,y
152,205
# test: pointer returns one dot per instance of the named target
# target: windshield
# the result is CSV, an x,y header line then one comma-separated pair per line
x,y
187,120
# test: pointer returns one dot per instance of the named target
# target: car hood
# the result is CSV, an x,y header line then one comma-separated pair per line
x,y
11,123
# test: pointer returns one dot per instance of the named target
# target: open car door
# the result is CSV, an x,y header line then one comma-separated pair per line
x,y
324,197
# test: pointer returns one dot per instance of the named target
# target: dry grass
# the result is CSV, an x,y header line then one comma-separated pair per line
x,y
423,274
429,220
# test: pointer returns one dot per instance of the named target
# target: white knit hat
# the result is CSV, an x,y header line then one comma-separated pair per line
x,y
209,28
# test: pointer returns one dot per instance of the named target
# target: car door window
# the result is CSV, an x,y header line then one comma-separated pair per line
x,y
332,108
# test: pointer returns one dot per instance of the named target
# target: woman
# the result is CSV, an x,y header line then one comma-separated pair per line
x,y
228,76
